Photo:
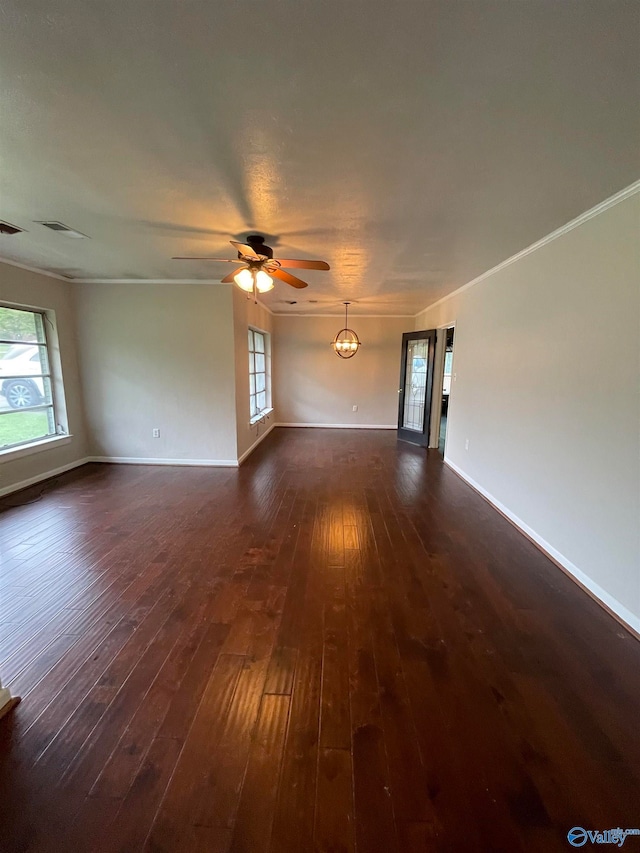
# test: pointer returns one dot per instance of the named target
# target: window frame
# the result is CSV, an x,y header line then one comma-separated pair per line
x,y
49,380
255,413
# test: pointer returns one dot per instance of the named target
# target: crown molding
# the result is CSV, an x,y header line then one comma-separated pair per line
x,y
626,193
359,316
623,194
149,281
37,270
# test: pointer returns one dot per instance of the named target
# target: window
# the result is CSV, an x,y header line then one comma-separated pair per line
x,y
26,399
259,373
448,362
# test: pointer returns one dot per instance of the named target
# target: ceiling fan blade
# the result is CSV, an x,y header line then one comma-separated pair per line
x,y
283,275
204,258
244,249
303,265
229,276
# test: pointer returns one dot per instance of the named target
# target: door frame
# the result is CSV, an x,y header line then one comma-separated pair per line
x,y
438,376
413,436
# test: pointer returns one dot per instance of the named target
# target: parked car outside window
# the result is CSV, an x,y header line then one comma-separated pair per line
x,y
18,364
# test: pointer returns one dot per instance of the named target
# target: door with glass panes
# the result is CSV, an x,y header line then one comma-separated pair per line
x,y
416,384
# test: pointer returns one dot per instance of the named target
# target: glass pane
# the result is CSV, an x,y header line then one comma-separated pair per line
x,y
252,365
446,379
259,339
16,325
252,405
261,401
259,363
260,382
415,385
18,427
23,360
250,340
21,393
252,384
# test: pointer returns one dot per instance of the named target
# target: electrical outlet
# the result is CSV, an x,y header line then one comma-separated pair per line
x,y
355,408
156,433
466,444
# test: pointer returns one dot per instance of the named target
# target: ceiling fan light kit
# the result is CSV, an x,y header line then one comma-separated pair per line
x,y
244,280
264,282
346,343
260,267
248,280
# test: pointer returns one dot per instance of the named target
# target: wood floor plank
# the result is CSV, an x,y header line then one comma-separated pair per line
x,y
218,799
195,772
121,767
337,647
260,786
335,716
334,829
372,787
295,807
282,667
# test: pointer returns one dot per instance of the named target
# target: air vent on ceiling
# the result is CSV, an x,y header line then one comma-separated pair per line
x,y
8,228
63,229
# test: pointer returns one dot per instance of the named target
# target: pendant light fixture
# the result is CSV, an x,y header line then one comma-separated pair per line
x,y
346,343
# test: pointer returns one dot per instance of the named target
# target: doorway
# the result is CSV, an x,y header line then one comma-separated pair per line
x,y
416,386
446,388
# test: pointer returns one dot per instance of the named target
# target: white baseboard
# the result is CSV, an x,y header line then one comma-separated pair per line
x,y
133,460
342,426
603,598
145,460
260,438
44,475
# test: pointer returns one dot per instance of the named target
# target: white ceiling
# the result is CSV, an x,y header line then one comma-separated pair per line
x,y
412,144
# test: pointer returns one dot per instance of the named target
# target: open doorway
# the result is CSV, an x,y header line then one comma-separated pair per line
x,y
446,388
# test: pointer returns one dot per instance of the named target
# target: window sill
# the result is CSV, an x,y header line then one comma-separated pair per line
x,y
257,418
50,443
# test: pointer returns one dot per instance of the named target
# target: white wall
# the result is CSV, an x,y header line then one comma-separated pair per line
x,y
314,386
547,360
245,314
159,356
22,287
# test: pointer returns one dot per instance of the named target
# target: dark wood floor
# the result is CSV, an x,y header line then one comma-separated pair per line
x,y
338,647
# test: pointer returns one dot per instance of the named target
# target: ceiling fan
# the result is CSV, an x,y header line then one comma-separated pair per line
x,y
259,265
